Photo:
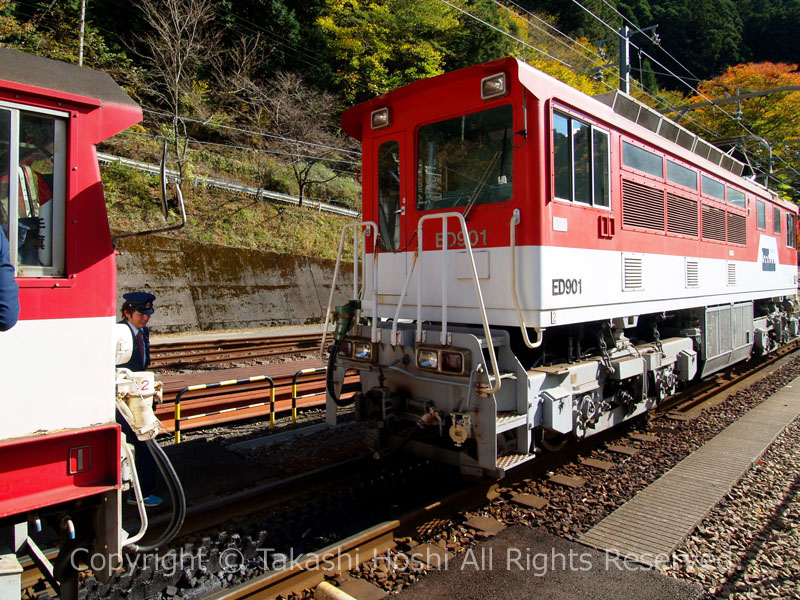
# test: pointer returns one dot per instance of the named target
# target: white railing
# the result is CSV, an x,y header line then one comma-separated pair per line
x,y
364,227
515,219
418,264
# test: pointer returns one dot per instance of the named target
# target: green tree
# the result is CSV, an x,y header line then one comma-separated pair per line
x,y
378,45
770,29
771,138
708,33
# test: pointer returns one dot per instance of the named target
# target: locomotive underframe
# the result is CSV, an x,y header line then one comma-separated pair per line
x,y
583,379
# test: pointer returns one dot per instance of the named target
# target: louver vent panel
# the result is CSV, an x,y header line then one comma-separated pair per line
x,y
642,206
713,223
632,274
682,216
731,273
737,229
692,274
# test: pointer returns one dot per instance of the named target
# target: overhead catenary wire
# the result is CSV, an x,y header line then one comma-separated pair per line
x,y
691,87
250,131
250,149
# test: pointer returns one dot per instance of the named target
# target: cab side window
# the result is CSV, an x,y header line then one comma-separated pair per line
x,y
32,184
389,195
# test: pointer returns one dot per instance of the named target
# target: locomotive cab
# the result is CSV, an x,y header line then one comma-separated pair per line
x,y
538,265
60,447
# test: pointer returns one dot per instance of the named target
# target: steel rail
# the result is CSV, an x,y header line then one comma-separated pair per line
x,y
193,353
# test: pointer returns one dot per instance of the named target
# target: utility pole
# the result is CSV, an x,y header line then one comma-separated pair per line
x,y
624,63
83,24
624,59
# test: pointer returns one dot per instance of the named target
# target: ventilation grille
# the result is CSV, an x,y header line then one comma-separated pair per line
x,y
682,215
642,206
737,229
692,273
632,275
731,273
713,223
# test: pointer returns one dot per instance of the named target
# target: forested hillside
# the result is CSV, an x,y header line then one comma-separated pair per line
x,y
251,90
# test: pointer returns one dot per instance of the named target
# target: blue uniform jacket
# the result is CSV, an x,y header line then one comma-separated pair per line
x,y
137,361
9,292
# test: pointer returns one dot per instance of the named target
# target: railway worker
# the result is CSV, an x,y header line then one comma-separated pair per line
x,y
136,312
9,292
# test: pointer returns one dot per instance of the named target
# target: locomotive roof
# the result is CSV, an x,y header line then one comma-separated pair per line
x,y
62,77
641,120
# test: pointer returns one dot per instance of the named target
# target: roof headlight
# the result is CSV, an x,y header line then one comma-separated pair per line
x,y
381,118
428,359
493,86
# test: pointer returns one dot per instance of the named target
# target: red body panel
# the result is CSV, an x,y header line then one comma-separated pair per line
x,y
39,471
592,228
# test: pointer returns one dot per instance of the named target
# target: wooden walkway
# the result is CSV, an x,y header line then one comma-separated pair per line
x,y
649,527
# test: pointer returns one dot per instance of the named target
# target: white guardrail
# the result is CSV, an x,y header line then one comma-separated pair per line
x,y
258,193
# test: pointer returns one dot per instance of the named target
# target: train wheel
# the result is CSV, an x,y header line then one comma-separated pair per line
x,y
552,441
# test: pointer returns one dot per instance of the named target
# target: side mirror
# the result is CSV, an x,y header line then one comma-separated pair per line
x,y
164,206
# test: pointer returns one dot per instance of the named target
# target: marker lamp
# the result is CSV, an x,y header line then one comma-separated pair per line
x,y
452,362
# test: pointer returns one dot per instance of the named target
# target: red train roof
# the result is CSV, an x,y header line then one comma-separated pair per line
x,y
47,78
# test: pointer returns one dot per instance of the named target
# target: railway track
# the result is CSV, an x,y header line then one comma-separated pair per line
x,y
382,536
386,536
193,354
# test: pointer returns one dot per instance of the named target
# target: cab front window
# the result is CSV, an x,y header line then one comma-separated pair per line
x,y
466,160
32,159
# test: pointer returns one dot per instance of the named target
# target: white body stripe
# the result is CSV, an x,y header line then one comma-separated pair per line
x,y
558,286
56,374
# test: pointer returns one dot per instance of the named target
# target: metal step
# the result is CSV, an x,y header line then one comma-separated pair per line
x,y
509,461
509,420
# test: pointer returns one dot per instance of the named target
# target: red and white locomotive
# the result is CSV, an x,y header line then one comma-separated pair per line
x,y
60,450
548,264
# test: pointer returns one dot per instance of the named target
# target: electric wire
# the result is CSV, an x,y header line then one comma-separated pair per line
x,y
249,131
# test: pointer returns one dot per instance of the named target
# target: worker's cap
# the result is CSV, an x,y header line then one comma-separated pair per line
x,y
140,301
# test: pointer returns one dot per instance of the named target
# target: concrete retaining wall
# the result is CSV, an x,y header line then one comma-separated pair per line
x,y
203,287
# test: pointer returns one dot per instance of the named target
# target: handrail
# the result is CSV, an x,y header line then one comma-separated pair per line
x,y
356,293
468,246
229,382
515,219
295,397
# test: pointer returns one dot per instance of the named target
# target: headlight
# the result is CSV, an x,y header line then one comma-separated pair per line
x,y
380,118
428,359
494,86
362,351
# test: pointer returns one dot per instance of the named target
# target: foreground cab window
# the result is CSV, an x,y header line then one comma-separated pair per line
x,y
32,159
466,160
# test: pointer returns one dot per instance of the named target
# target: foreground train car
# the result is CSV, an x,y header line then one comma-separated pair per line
x,y
60,451
547,265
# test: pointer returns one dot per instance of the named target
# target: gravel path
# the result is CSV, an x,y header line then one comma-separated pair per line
x,y
747,547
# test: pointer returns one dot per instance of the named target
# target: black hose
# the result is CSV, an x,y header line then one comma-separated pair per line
x,y
329,376
176,493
